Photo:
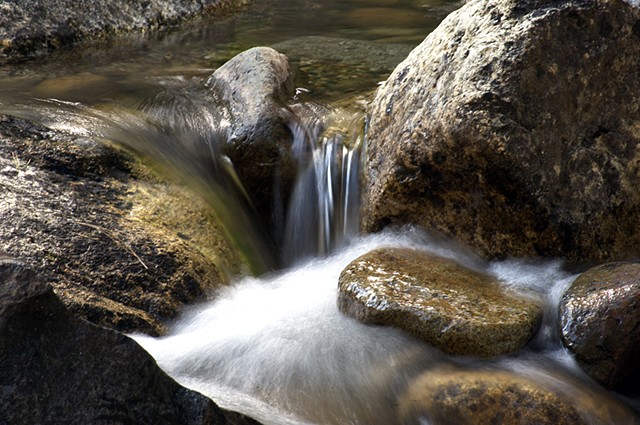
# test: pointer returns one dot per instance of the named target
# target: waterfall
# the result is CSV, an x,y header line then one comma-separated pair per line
x,y
323,210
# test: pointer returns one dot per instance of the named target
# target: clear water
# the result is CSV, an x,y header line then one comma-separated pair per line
x,y
276,347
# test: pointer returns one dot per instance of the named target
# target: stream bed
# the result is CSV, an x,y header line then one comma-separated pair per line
x,y
276,347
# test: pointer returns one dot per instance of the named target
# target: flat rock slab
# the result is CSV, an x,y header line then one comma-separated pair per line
x,y
456,309
600,323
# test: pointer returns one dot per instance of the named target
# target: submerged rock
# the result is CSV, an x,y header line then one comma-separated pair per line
x,y
600,324
333,68
57,368
514,128
456,309
121,248
471,397
35,27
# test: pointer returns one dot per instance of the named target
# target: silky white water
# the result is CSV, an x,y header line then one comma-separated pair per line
x,y
278,349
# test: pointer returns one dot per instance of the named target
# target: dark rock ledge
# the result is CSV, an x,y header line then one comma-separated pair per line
x,y
57,368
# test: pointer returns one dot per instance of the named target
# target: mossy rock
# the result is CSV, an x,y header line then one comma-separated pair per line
x,y
122,248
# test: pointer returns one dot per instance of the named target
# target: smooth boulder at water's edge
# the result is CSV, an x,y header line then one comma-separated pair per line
x,y
600,324
237,123
57,368
458,310
252,89
515,129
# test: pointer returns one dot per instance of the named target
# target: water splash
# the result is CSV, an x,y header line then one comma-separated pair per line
x,y
278,349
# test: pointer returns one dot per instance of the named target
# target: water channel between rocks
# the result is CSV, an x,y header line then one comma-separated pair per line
x,y
276,347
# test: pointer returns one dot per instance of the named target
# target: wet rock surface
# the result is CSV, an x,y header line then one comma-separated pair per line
x,y
31,28
455,396
514,127
121,248
57,368
251,90
239,113
600,324
449,306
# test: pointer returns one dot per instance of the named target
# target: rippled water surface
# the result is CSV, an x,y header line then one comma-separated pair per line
x,y
338,49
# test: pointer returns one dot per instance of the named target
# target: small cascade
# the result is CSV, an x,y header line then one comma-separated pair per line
x,y
323,210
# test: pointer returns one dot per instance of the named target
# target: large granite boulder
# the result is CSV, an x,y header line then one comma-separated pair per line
x,y
121,248
57,368
29,28
485,397
600,324
514,127
449,306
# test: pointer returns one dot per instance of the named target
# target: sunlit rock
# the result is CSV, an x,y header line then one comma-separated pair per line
x,y
486,397
514,127
57,368
451,307
600,323
121,248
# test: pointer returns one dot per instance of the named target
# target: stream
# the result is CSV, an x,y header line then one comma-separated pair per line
x,y
275,347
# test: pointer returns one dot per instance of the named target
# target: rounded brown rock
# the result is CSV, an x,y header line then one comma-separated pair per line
x,y
600,323
456,309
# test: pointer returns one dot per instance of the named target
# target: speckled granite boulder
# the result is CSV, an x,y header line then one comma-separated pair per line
x,y
450,396
456,309
600,323
514,128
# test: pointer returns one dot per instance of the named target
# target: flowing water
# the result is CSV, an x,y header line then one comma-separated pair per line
x,y
275,346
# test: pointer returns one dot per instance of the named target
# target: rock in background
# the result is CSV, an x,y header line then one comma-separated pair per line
x,y
30,28
121,248
515,128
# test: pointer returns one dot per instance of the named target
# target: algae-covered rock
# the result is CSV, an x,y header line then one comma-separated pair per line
x,y
600,323
456,309
450,396
120,247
